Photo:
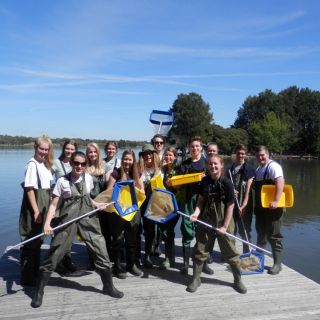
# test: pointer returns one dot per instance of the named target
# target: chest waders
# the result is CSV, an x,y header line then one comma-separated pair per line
x,y
242,224
268,225
30,253
89,229
213,214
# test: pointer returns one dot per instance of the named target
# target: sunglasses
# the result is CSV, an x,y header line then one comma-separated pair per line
x,y
78,163
158,142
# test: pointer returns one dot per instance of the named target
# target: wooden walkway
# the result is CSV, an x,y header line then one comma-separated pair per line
x,y
159,294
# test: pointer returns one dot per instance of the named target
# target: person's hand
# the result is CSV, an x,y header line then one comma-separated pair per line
x,y
273,205
169,183
194,217
37,217
236,193
222,230
101,205
242,211
47,229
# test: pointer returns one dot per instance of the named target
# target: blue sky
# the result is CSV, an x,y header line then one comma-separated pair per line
x,y
97,68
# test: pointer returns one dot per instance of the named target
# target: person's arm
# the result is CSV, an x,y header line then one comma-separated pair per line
x,y
195,215
33,202
242,210
111,182
51,212
279,183
227,217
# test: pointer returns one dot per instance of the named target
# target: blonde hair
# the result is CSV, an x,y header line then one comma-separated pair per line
x,y
98,166
49,158
155,163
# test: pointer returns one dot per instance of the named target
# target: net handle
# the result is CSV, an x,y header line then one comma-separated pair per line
x,y
227,233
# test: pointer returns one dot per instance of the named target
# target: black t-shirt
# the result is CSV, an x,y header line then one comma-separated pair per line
x,y
221,188
189,166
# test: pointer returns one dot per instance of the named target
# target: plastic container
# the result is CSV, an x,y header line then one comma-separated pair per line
x,y
186,178
156,182
267,195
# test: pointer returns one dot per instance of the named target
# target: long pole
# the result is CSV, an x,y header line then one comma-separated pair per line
x,y
238,205
60,226
227,233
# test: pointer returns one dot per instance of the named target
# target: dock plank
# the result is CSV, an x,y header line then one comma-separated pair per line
x,y
160,294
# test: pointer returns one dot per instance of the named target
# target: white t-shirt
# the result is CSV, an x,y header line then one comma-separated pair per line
x,y
274,171
31,178
62,187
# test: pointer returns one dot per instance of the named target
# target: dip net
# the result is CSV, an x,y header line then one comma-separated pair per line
x,y
161,121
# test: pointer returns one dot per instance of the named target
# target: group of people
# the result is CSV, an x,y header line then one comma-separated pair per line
x,y
57,191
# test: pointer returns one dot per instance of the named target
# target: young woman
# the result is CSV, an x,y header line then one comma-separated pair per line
x,y
35,203
111,160
149,165
169,170
215,206
96,168
196,163
121,229
61,167
73,193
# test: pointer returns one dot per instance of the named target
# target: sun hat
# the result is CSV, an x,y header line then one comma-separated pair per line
x,y
147,147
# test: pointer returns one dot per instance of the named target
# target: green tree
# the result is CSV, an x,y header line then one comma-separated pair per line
x,y
192,117
228,138
270,131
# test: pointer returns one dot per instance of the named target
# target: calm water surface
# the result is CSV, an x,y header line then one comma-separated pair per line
x,y
301,225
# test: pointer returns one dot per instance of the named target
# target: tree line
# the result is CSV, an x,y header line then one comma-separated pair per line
x,y
287,122
21,141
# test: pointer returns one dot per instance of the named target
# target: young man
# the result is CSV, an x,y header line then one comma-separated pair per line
x,y
242,173
268,220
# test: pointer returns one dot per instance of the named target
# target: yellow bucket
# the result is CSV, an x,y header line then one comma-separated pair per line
x,y
186,178
156,182
268,192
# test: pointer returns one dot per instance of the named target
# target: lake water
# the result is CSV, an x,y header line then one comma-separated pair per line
x,y
301,224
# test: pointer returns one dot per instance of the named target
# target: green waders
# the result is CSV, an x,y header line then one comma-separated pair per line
x,y
213,214
90,232
268,227
30,252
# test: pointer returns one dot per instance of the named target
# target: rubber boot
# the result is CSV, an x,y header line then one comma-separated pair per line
x,y
206,269
27,270
277,259
67,263
38,296
118,270
237,282
169,260
108,287
186,251
196,281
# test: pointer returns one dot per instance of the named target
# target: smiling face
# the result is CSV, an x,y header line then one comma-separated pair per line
x,y
212,149
262,157
92,154
127,162
195,149
68,151
215,166
148,158
78,165
169,157
111,151
42,151
240,156
158,144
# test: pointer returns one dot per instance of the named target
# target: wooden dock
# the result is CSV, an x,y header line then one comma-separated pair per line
x,y
160,294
